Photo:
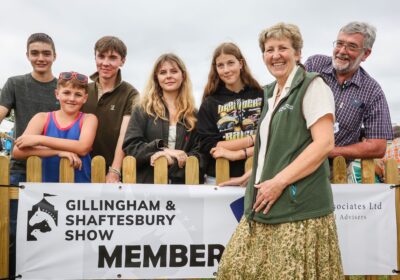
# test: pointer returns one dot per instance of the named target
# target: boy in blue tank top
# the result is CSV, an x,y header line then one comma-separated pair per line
x,y
65,133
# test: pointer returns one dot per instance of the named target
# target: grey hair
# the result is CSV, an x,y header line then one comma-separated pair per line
x,y
367,30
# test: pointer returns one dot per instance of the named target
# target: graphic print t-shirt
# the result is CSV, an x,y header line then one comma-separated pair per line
x,y
227,115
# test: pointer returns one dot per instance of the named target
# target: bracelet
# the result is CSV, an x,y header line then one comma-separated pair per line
x,y
115,171
245,153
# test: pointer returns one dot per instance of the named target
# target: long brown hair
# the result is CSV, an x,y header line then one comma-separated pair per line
x,y
214,81
152,101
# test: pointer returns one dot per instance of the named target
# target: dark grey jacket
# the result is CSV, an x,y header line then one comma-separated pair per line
x,y
145,136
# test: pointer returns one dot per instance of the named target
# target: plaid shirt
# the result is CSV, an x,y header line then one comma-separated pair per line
x,y
359,102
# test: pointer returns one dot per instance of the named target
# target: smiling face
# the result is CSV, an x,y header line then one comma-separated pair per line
x,y
170,77
280,58
71,98
349,53
41,56
228,68
108,64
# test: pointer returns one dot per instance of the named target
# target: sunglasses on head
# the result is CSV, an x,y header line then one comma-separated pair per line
x,y
73,75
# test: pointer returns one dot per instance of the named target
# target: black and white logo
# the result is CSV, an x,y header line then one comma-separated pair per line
x,y
41,219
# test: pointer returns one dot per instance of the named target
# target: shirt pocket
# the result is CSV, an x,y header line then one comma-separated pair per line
x,y
350,115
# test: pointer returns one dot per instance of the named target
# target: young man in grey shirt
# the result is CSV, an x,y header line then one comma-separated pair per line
x,y
28,94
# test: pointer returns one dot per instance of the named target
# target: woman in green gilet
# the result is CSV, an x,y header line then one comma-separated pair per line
x,y
288,229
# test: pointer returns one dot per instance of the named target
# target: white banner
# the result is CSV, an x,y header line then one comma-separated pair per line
x,y
366,223
111,231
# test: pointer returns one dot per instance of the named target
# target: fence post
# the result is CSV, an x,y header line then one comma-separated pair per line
x,y
249,164
339,171
192,171
66,171
4,216
98,170
392,177
367,171
34,169
129,170
368,177
161,171
339,176
221,170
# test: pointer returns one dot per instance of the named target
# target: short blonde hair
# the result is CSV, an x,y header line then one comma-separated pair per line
x,y
279,31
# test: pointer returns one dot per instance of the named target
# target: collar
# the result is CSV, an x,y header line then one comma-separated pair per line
x,y
95,78
225,91
288,83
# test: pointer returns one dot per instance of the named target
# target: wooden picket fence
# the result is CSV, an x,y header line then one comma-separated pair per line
x,y
34,174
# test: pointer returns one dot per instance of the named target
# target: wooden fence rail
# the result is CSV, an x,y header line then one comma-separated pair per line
x,y
98,166
4,216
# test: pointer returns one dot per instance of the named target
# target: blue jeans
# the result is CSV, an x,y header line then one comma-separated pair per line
x,y
15,179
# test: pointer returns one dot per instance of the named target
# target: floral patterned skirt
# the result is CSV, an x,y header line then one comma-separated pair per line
x,y
298,250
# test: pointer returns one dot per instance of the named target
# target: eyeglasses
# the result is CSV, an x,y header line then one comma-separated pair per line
x,y
347,46
73,75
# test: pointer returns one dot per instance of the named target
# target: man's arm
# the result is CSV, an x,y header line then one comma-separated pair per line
x,y
113,177
370,148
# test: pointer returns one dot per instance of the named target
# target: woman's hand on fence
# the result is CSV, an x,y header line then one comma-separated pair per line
x,y
25,141
220,152
269,191
180,156
155,156
73,158
112,177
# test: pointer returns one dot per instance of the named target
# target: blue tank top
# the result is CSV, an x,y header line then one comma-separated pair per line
x,y
51,165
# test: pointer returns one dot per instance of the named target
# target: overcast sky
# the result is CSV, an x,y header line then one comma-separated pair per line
x,y
192,30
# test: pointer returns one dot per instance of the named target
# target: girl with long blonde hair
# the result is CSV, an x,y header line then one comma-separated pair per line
x,y
164,124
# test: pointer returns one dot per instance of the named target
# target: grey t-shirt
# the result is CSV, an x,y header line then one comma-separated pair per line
x,y
27,97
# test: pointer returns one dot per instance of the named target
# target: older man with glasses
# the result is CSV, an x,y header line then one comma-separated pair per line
x,y
359,99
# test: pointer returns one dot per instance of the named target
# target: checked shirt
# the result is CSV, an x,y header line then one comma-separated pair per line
x,y
359,102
